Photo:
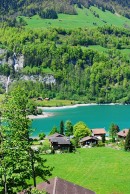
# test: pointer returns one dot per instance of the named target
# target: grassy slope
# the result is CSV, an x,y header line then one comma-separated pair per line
x,y
103,170
84,19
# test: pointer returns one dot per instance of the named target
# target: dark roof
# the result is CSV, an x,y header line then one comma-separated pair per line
x,y
123,133
88,138
98,131
55,135
61,186
60,140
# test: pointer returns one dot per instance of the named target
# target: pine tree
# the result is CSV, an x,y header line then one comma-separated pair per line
x,y
61,128
127,141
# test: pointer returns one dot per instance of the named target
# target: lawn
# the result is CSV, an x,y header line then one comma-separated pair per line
x,y
84,18
103,170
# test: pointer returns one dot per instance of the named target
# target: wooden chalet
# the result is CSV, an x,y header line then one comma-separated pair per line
x,y
59,142
61,186
86,141
98,132
122,134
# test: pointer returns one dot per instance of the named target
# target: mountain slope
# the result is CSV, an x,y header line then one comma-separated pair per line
x,y
12,8
85,17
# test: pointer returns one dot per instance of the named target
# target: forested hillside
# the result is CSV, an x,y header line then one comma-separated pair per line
x,y
49,8
90,65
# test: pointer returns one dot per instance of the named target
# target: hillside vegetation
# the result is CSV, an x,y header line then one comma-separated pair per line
x,y
10,9
84,18
89,65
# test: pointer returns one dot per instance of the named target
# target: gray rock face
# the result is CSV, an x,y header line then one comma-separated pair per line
x,y
48,79
16,60
3,80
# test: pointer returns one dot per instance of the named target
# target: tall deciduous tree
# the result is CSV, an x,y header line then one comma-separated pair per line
x,y
81,130
18,161
113,130
68,128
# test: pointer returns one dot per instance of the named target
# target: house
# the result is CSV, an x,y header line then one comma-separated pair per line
x,y
61,186
123,133
47,99
88,141
98,132
40,98
59,142
55,135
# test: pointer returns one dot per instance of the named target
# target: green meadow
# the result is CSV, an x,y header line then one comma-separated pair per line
x,y
103,170
84,18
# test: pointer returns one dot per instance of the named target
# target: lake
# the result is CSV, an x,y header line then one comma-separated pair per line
x,y
95,116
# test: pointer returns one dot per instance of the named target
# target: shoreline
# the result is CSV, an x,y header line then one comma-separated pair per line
x,y
48,114
42,116
78,105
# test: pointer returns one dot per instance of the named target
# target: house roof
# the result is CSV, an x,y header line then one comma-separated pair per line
x,y
88,138
60,140
55,135
123,133
58,186
98,131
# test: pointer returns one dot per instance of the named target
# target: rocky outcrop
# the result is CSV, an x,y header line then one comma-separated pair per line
x,y
17,60
47,79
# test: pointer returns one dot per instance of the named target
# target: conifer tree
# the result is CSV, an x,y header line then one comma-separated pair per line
x,y
61,128
127,141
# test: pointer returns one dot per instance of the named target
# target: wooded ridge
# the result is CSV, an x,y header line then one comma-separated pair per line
x,y
14,8
84,67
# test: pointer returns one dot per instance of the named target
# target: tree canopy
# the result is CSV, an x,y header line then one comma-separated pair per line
x,y
19,162
81,130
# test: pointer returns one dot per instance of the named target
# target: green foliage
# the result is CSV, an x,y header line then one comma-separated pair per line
x,y
80,130
61,131
48,14
113,130
127,142
103,138
68,128
39,111
54,130
36,191
81,67
46,146
19,162
42,136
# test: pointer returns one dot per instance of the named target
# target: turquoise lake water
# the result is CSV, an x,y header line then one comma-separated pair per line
x,y
95,116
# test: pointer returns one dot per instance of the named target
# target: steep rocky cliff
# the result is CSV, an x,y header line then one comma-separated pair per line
x,y
16,62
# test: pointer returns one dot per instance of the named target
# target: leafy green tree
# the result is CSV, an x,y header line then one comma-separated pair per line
x,y
127,141
113,130
103,138
68,128
54,130
61,131
81,130
42,136
18,161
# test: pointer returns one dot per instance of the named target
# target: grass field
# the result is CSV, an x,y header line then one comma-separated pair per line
x,y
55,103
103,170
125,52
85,18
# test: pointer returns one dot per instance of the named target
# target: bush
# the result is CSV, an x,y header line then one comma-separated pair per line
x,y
42,136
100,144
